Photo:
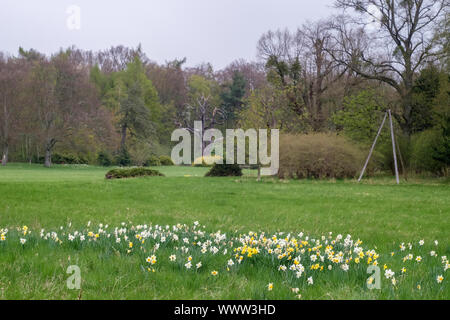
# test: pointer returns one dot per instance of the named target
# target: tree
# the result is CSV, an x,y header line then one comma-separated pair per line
x,y
425,90
203,105
389,41
132,98
266,109
283,66
117,58
232,98
12,74
253,73
62,100
361,116
169,80
442,34
301,65
441,116
137,99
47,115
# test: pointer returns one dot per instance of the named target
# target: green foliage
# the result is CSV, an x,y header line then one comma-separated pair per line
x,y
140,151
135,104
361,117
37,159
441,151
264,110
318,156
232,98
286,76
224,170
431,148
153,161
425,91
132,97
200,86
132,173
430,151
166,161
58,158
104,159
123,157
441,117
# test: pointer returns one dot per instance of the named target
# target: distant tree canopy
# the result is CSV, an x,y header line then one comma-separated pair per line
x,y
340,75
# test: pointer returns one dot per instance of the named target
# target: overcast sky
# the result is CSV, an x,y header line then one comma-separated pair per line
x,y
216,31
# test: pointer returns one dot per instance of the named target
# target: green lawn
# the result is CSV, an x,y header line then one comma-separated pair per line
x,y
378,212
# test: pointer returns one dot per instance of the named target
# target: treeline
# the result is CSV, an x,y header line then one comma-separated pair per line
x,y
336,75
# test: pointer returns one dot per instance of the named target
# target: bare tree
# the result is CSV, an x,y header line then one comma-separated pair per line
x,y
304,67
61,99
11,85
253,72
117,58
204,111
389,41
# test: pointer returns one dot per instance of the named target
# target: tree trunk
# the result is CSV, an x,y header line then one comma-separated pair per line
x,y
5,135
48,158
48,153
407,98
5,155
124,137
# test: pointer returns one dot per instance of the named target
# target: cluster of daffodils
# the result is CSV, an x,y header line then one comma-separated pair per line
x,y
23,231
296,253
297,257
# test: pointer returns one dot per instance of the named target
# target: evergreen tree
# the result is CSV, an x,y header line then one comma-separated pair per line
x,y
232,98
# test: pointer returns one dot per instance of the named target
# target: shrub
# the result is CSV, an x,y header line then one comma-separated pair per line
x,y
36,159
58,158
166,161
140,152
131,173
224,170
123,157
104,159
423,154
318,156
152,162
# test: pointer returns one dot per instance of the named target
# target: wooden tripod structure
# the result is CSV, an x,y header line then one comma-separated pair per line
x,y
388,113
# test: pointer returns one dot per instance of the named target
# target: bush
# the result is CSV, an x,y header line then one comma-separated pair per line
x,y
423,153
123,158
36,159
318,156
131,173
139,153
166,161
224,170
104,159
152,162
58,158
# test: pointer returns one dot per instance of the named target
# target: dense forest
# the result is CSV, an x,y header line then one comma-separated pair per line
x,y
338,75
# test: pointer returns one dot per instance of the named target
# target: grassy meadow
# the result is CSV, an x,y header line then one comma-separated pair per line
x,y
64,199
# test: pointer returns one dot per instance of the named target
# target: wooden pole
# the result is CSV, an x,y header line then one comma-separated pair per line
x,y
393,147
402,163
373,147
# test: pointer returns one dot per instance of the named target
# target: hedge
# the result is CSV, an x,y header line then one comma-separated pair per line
x,y
131,173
